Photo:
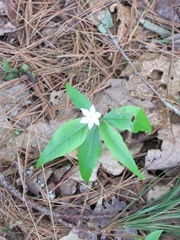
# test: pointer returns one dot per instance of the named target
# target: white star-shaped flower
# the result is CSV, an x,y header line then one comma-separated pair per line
x,y
91,116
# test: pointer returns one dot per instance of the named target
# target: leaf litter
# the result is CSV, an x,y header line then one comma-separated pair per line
x,y
89,60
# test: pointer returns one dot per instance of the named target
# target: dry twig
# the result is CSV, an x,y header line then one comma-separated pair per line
x,y
7,185
163,100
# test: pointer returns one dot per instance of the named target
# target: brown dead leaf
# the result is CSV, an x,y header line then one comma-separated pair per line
x,y
6,10
33,137
33,186
68,187
2,9
6,27
124,16
11,9
155,68
116,94
168,10
37,183
59,172
109,163
158,191
75,175
49,31
14,99
109,206
58,98
70,236
168,156
44,176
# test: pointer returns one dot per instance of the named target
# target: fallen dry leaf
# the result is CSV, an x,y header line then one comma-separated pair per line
x,y
155,68
109,163
108,206
59,172
14,99
6,27
116,94
149,65
7,16
77,176
158,191
168,156
33,137
68,187
168,9
36,183
72,235
124,16
2,9
11,9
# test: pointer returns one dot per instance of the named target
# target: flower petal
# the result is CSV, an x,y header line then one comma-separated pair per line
x,y
98,114
92,109
96,121
84,120
90,124
91,116
85,112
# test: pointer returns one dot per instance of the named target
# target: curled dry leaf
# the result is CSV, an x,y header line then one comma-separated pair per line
x,y
168,156
108,206
124,16
35,184
59,172
44,176
68,187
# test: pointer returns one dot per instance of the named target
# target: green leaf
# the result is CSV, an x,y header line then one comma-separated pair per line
x,y
89,152
33,75
154,235
5,66
130,118
67,138
78,98
107,21
11,75
118,148
24,67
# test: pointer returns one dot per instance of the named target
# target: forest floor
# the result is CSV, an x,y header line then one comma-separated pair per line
x,y
44,45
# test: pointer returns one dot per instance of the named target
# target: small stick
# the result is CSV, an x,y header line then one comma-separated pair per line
x,y
163,100
32,204
11,189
